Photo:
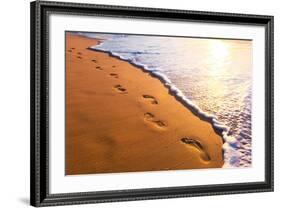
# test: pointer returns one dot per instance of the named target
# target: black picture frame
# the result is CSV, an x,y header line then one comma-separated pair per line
x,y
39,187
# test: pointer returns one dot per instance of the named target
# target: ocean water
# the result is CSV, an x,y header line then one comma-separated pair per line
x,y
212,76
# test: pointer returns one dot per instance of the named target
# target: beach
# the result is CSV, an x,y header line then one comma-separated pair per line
x,y
121,119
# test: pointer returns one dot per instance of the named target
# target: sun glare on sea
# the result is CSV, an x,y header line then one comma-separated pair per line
x,y
219,51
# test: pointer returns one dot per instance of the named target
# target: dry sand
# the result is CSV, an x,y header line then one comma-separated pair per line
x,y
120,119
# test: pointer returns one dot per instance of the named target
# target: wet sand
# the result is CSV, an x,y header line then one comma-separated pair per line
x,y
120,119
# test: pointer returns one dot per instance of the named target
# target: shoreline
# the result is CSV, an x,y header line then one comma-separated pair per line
x,y
176,137
218,127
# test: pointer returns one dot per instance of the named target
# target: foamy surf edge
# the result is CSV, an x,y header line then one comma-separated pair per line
x,y
230,154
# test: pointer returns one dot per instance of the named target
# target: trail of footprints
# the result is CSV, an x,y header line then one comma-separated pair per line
x,y
79,54
70,50
149,117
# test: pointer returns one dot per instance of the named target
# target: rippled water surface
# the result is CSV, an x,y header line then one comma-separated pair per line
x,y
214,74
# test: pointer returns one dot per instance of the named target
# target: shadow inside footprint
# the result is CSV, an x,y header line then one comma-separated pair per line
x,y
113,66
114,75
79,57
120,89
151,98
73,48
151,118
196,144
69,51
79,53
99,68
160,123
93,60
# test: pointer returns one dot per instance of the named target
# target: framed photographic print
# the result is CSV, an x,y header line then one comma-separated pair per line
x,y
132,103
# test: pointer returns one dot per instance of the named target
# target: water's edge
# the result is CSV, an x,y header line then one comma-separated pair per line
x,y
219,128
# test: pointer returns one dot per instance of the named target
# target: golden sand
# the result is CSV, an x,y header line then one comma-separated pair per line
x,y
120,118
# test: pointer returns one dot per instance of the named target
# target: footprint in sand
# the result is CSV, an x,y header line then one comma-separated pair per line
x,y
151,118
120,89
79,53
196,144
114,75
93,60
99,68
113,66
79,57
151,98
73,48
69,51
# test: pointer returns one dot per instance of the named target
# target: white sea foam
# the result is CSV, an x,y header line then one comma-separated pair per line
x,y
237,149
